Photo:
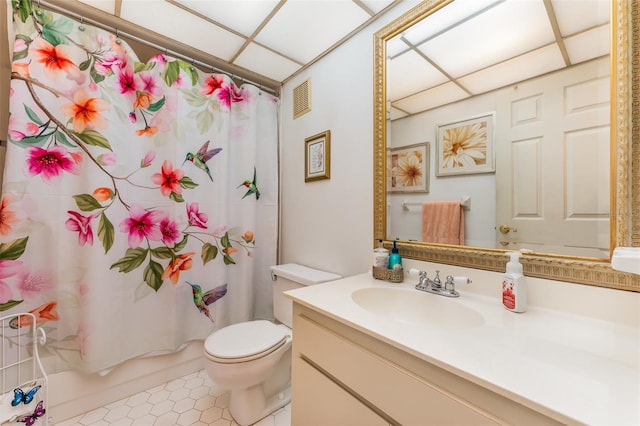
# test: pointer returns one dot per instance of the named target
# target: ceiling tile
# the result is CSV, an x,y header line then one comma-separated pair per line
x,y
176,23
437,96
410,73
263,61
482,41
395,113
533,64
444,18
588,14
303,29
589,44
242,16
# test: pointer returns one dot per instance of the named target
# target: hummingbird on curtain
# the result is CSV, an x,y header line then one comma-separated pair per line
x,y
202,300
200,158
251,186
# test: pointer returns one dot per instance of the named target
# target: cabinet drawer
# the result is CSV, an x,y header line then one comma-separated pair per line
x,y
401,395
325,403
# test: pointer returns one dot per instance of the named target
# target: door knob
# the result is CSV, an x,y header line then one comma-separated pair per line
x,y
505,229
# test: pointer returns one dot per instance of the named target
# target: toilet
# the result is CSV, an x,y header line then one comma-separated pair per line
x,y
253,359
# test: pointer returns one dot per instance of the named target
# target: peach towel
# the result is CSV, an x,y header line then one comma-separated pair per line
x,y
443,222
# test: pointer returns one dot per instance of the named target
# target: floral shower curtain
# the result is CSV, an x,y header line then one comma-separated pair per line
x,y
139,202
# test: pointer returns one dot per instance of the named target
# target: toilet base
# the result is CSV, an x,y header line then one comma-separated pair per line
x,y
240,401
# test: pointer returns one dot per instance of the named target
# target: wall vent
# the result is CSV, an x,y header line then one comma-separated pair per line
x,y
302,99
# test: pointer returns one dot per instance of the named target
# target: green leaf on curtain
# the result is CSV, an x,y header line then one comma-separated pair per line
x,y
31,140
62,138
209,252
131,260
84,65
9,304
86,202
176,197
181,245
187,183
171,72
204,120
153,275
156,105
106,232
91,137
14,249
55,32
163,253
195,98
225,240
228,260
140,66
191,70
95,76
24,9
21,54
32,115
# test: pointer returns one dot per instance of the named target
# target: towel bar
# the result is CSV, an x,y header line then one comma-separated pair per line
x,y
465,202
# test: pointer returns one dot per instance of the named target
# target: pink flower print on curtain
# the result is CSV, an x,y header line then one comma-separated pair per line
x,y
122,177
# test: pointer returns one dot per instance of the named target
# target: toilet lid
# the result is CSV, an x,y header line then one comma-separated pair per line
x,y
245,339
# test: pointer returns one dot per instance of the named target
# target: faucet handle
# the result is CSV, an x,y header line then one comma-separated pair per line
x,y
450,284
462,280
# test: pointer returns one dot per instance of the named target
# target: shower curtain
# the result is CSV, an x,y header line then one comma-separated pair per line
x,y
139,202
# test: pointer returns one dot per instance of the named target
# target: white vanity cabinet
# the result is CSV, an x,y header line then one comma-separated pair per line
x,y
343,376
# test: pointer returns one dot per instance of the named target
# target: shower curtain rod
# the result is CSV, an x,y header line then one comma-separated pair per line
x,y
269,86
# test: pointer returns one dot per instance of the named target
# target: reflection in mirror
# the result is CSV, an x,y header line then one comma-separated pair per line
x,y
514,100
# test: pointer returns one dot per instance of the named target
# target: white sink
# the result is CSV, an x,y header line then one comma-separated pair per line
x,y
416,307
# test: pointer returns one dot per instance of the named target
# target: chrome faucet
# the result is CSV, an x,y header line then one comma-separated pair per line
x,y
435,285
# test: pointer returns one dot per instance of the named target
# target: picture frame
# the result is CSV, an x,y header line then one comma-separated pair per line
x,y
408,168
317,157
466,147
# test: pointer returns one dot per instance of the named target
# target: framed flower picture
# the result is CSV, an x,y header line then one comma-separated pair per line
x,y
317,157
408,168
465,147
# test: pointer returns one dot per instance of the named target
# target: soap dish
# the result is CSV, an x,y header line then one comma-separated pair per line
x,y
392,275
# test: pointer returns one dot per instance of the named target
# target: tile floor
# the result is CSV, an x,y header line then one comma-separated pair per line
x,y
192,400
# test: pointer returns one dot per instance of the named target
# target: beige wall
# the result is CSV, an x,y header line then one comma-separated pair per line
x,y
328,224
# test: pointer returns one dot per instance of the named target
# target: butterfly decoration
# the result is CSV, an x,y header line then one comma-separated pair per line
x,y
20,396
31,418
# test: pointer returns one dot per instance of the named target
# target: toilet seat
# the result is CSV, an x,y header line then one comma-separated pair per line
x,y
245,341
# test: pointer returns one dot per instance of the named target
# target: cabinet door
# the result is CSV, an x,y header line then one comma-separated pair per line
x,y
318,401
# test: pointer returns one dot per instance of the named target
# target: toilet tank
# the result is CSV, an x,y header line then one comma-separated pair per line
x,y
291,276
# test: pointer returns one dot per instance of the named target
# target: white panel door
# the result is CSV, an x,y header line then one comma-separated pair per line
x,y
552,163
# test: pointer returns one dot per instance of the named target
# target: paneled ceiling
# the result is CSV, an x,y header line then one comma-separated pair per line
x,y
273,39
472,47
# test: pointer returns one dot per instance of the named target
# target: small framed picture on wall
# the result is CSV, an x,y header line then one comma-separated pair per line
x,y
317,157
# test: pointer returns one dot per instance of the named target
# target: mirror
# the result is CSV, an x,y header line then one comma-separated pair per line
x,y
544,262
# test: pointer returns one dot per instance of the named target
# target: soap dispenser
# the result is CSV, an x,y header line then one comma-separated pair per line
x,y
395,261
380,256
514,285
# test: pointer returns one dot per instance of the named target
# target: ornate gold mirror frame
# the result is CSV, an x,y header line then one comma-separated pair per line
x,y
625,163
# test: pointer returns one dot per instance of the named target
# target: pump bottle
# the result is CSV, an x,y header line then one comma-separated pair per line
x,y
381,256
514,285
395,261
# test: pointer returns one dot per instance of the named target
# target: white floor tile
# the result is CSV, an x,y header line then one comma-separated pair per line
x,y
192,400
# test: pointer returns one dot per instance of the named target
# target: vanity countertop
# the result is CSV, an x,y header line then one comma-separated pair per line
x,y
563,365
